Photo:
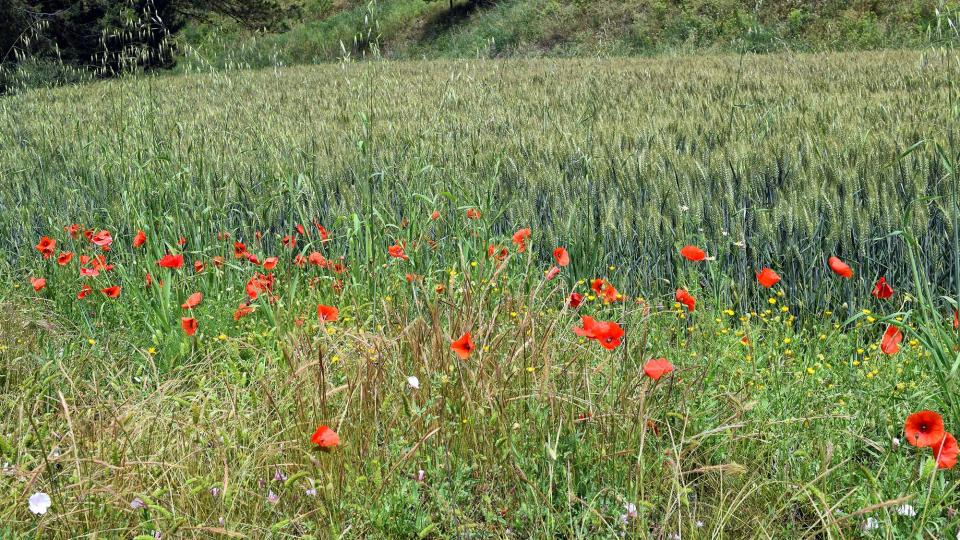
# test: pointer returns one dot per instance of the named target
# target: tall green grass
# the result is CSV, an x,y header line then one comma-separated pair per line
x,y
776,160
780,161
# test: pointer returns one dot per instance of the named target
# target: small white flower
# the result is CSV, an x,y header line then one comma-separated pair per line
x,y
39,503
699,524
674,536
895,442
631,513
312,492
414,382
421,474
137,503
906,510
870,524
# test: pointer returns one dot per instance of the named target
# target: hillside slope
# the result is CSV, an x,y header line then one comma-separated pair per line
x,y
330,29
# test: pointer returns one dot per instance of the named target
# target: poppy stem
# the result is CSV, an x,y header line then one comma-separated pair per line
x,y
641,421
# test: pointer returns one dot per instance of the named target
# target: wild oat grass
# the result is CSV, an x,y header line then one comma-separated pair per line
x,y
779,421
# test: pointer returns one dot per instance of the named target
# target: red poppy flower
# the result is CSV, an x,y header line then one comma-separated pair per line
x,y
924,428
412,277
299,260
38,283
608,334
840,268
520,239
192,301
946,452
597,285
686,299
561,256
890,344
316,258
745,340
181,241
324,234
198,266
46,246
300,230
289,241
111,292
73,230
473,213
239,250
553,272
497,252
270,263
435,215
100,262
147,279
64,258
140,239
768,278
693,253
956,319
242,311
396,251
881,289
258,235
658,367
171,261
84,291
327,313
102,239
575,300
463,346
252,259
610,293
189,325
324,437
217,261
259,283
89,272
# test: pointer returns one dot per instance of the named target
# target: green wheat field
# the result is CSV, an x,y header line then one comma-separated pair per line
x,y
398,193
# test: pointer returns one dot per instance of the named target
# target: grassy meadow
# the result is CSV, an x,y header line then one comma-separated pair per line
x,y
393,191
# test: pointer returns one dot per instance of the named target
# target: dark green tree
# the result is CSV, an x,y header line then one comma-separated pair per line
x,y
107,37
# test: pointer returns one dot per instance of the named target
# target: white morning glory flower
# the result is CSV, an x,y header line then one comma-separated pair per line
x,y
39,503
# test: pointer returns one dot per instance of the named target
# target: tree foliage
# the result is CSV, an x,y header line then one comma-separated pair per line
x,y
107,37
